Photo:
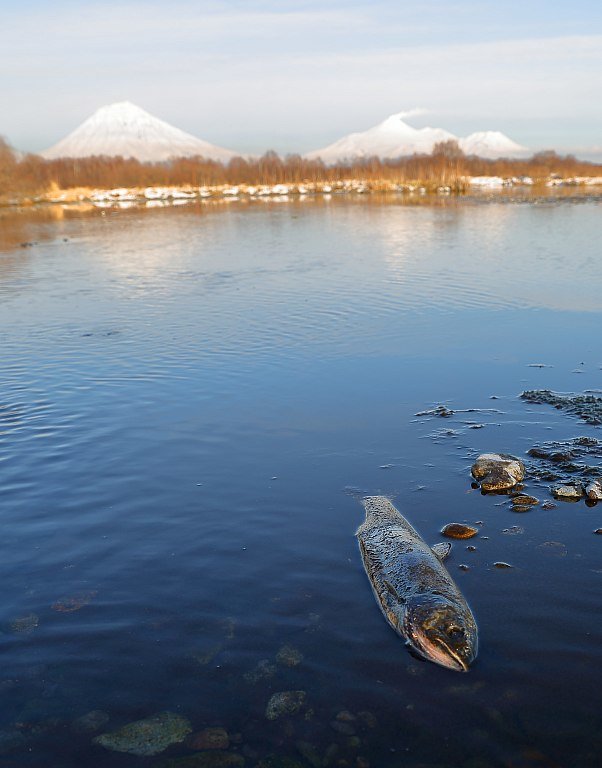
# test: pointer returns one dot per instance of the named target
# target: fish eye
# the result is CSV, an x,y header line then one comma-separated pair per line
x,y
454,632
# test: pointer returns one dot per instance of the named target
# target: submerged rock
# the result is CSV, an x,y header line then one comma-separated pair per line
x,y
309,753
210,738
147,737
288,656
90,722
459,531
522,500
263,670
206,760
279,761
25,624
594,490
498,471
74,602
568,492
587,407
284,703
501,565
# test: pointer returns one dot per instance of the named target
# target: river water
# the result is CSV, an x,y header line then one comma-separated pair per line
x,y
193,402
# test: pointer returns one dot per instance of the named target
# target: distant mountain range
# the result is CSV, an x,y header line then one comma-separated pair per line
x,y
125,130
395,138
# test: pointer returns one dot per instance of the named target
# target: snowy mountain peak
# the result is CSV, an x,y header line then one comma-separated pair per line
x,y
126,130
395,138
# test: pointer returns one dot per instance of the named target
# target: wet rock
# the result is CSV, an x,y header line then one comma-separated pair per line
x,y
284,703
264,670
279,761
345,728
587,407
206,760
463,567
553,548
147,737
288,656
25,624
501,565
568,492
74,602
90,722
514,530
309,753
206,657
522,500
498,471
367,719
548,505
598,531
471,548
210,738
594,490
440,410
459,531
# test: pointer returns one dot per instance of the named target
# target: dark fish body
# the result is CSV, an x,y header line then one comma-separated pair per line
x,y
414,589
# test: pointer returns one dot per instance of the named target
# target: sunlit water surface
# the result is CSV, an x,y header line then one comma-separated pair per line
x,y
192,403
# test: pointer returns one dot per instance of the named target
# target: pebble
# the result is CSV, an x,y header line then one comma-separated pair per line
x,y
471,548
91,721
288,656
502,565
210,738
548,505
147,737
284,703
463,567
513,530
598,531
568,492
459,531
25,624
498,471
594,490
523,500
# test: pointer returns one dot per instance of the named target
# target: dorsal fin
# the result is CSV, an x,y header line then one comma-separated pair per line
x,y
442,549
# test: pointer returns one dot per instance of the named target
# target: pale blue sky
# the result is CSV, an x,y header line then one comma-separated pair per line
x,y
294,76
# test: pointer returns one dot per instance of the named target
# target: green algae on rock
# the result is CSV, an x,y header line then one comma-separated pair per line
x,y
147,737
284,703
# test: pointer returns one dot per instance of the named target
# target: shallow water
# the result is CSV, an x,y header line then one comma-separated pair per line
x,y
192,403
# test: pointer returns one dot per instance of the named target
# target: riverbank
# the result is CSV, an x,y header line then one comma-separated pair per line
x,y
159,196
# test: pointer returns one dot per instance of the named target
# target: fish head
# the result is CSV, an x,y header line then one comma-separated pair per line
x,y
441,631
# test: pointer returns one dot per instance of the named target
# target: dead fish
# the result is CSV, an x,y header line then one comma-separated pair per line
x,y
413,588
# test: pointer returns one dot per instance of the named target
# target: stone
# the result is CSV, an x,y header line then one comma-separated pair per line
x,y
25,624
206,760
523,500
568,492
502,565
263,670
459,531
345,716
598,531
594,490
587,407
147,737
498,471
288,656
284,703
90,722
553,548
345,728
74,602
548,505
210,738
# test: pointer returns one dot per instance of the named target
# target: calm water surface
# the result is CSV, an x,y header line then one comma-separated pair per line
x,y
192,403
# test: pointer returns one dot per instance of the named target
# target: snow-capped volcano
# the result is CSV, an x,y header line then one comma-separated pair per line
x,y
395,138
491,144
125,130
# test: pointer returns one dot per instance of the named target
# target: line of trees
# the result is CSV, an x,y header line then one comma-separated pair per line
x,y
446,165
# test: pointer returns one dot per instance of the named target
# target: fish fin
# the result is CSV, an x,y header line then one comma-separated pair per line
x,y
442,550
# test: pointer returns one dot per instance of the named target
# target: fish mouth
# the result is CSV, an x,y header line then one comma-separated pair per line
x,y
460,665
